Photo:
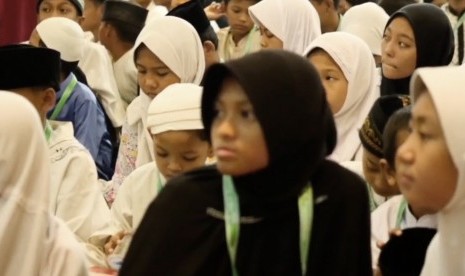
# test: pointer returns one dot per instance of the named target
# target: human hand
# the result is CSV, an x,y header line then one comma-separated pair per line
x,y
114,241
215,10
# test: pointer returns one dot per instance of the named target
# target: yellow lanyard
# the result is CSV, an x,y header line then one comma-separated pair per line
x,y
64,98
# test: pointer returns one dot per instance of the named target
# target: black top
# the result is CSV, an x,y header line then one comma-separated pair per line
x,y
182,232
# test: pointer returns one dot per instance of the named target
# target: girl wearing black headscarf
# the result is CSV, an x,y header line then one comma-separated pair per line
x,y
418,35
273,199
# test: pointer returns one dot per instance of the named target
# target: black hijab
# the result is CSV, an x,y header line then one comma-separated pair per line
x,y
290,104
434,39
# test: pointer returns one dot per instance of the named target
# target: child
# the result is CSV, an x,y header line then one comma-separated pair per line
x,y
396,213
348,72
376,137
92,15
279,20
192,12
430,164
75,196
95,61
175,125
168,50
241,37
265,162
121,24
75,101
33,241
418,35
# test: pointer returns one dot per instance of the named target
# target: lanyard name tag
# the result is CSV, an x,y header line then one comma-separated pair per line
x,y
64,99
232,222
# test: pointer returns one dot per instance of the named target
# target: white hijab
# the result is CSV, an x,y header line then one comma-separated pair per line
x,y
356,62
176,43
295,22
24,187
446,252
366,21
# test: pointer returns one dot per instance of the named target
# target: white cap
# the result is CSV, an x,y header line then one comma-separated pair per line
x,y
64,36
177,107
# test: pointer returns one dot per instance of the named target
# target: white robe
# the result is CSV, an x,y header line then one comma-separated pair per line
x,y
126,76
384,219
134,196
96,65
32,241
75,195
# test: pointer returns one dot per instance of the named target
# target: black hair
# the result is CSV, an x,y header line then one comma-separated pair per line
x,y
336,3
75,5
397,122
68,67
209,35
126,32
391,6
226,2
359,2
98,2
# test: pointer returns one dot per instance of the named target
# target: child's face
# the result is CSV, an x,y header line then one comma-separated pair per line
x,y
425,171
237,12
372,173
177,152
334,81
92,14
399,52
237,136
152,74
58,8
268,40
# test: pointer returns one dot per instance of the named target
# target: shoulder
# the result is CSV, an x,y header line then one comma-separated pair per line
x,y
222,33
333,178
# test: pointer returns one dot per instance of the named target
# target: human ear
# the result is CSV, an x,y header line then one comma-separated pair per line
x,y
388,172
48,99
208,47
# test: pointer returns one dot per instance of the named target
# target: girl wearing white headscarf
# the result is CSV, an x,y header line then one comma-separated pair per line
x,y
353,57
32,241
433,164
367,21
296,23
174,44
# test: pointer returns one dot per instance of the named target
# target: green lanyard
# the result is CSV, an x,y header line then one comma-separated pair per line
x,y
48,131
68,92
232,223
460,22
160,183
401,212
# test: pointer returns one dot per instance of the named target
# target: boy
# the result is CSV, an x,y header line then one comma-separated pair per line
x,y
242,36
121,24
95,62
175,125
192,12
75,196
76,102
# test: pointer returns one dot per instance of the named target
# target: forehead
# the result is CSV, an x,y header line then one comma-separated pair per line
x,y
178,138
56,2
232,91
144,55
400,25
322,60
